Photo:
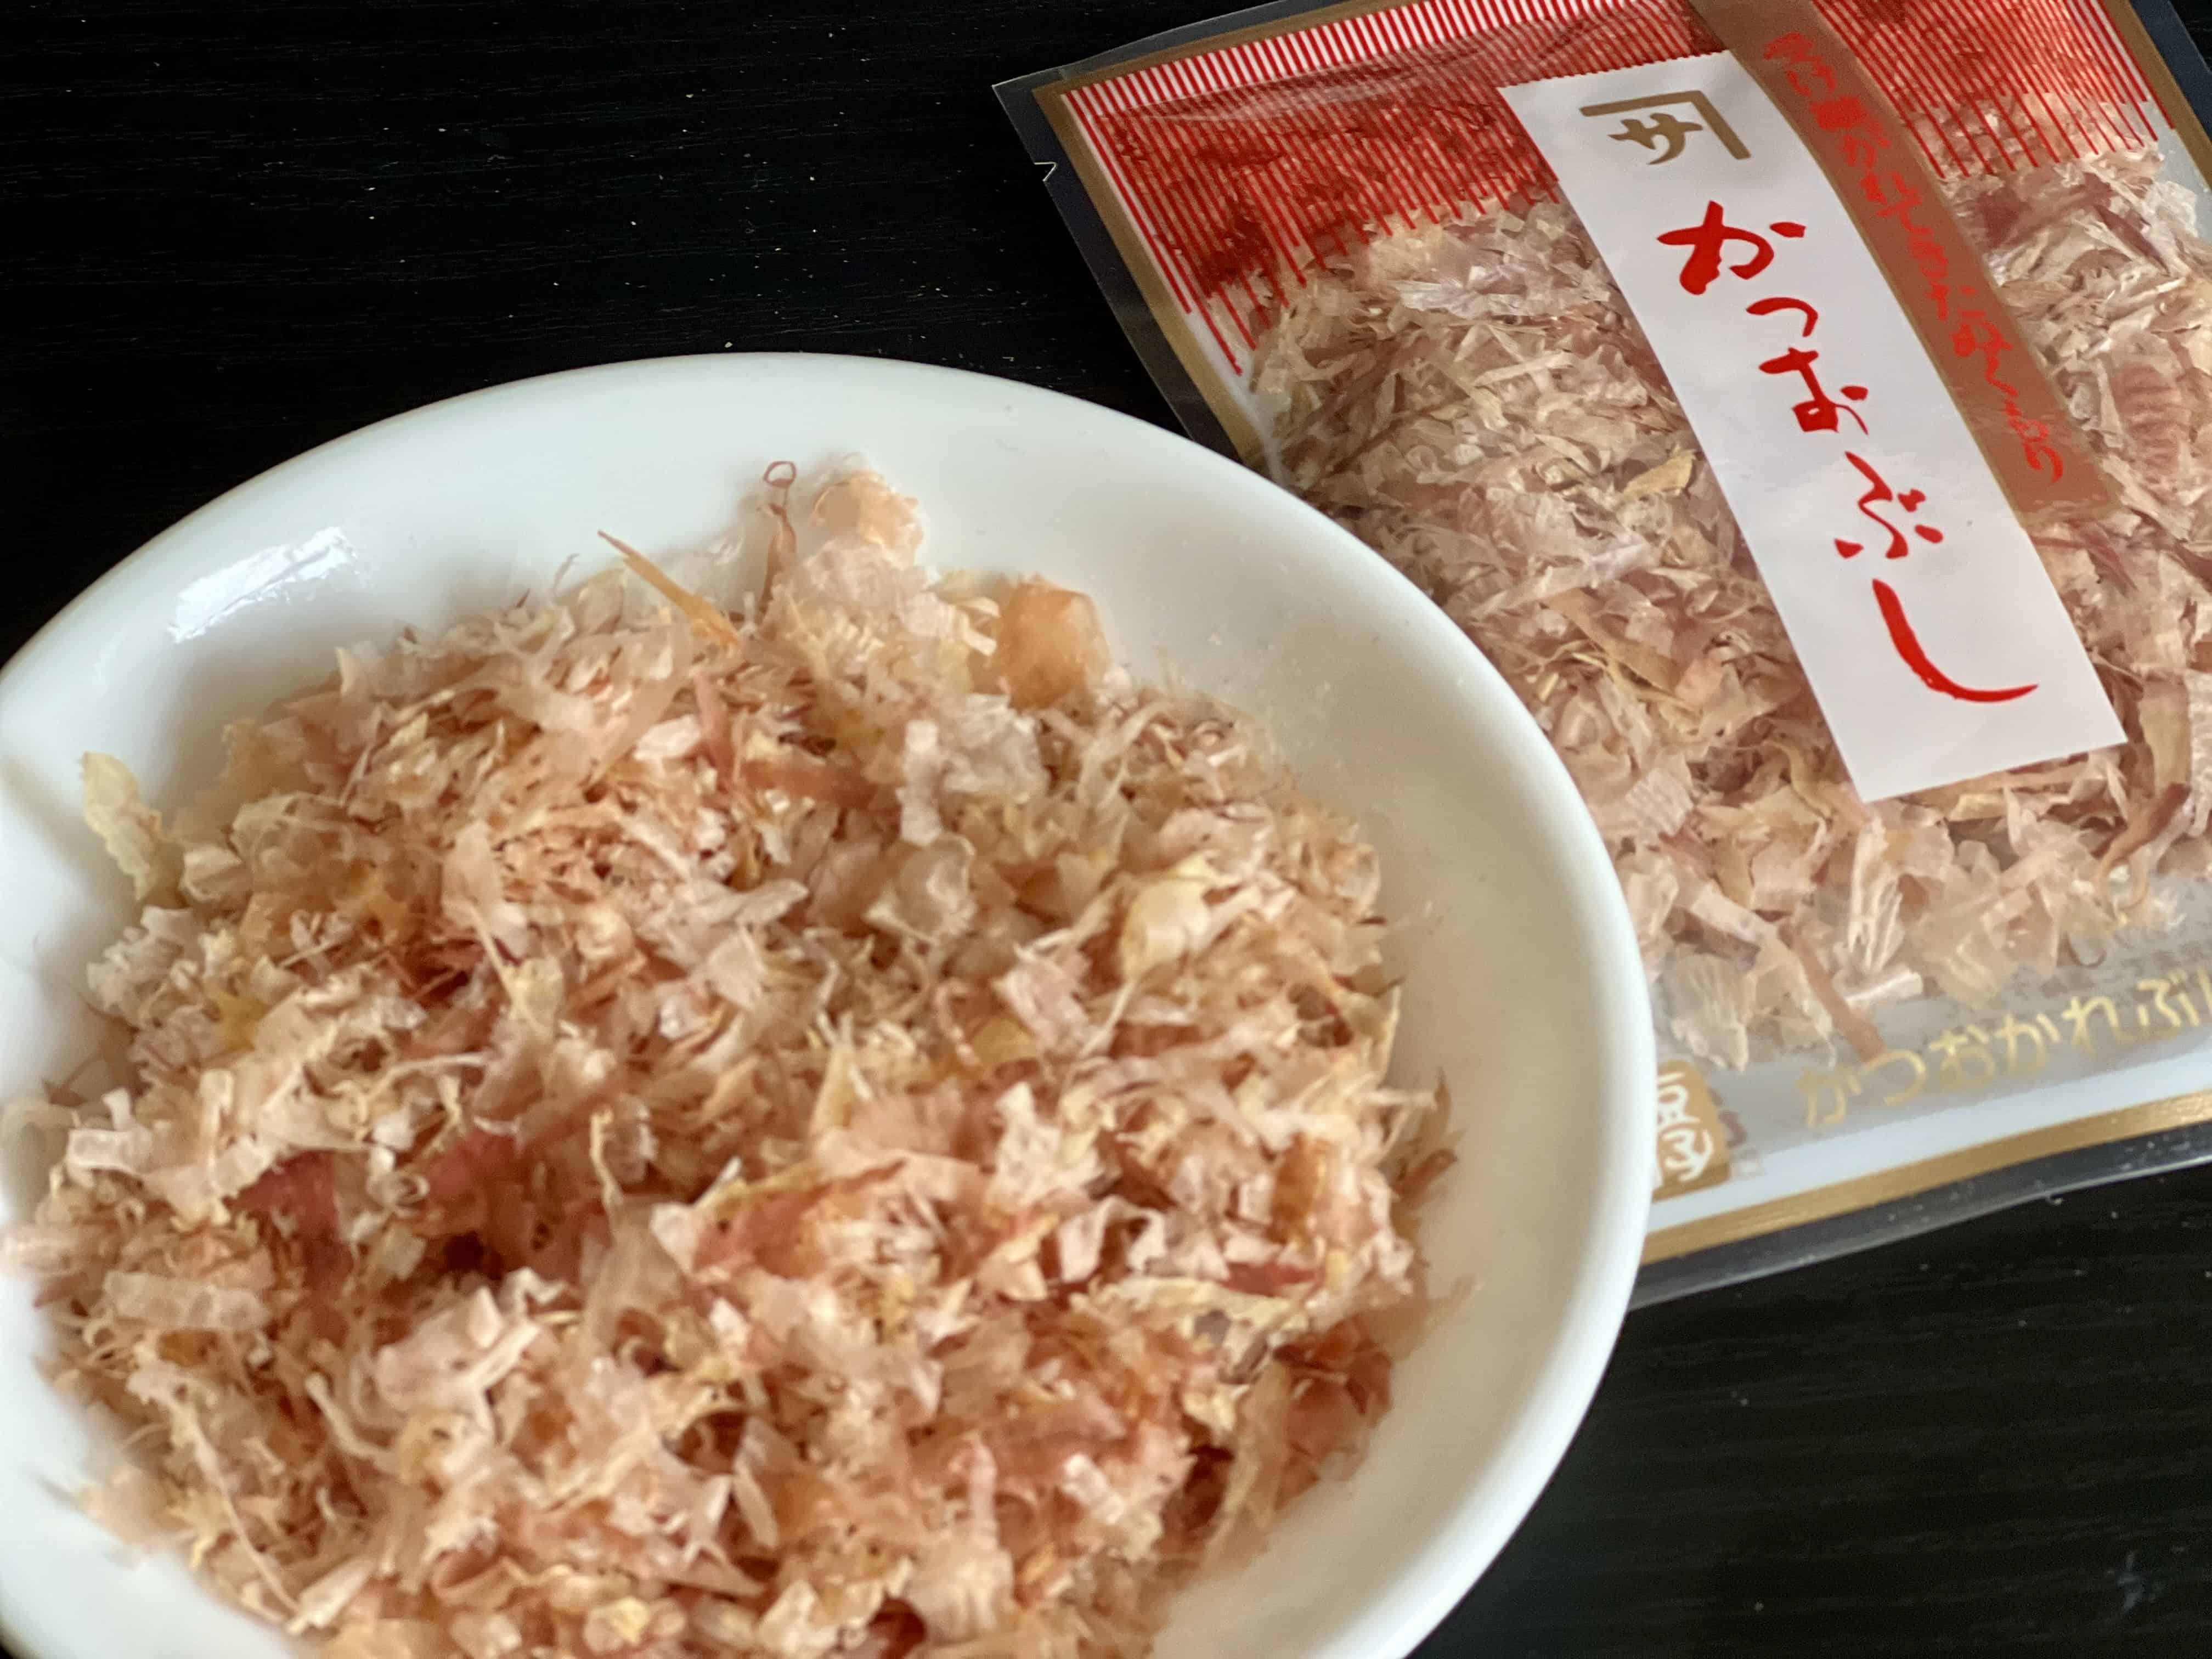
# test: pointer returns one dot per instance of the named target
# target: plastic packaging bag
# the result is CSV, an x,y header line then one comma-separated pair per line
x,y
1721,502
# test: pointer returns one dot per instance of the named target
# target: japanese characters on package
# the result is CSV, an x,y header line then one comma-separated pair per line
x,y
1806,404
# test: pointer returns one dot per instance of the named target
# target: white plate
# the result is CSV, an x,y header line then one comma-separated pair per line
x,y
1524,984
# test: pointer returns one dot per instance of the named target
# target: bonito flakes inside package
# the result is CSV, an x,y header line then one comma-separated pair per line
x,y
1807,407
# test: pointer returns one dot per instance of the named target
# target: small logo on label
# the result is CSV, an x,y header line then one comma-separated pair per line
x,y
1693,1147
1664,130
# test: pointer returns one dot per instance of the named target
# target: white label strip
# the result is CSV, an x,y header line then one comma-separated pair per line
x,y
1935,644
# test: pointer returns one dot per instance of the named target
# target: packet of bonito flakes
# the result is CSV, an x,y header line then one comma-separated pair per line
x,y
1806,404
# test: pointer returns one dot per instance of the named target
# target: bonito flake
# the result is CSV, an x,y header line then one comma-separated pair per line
x,y
1476,400
1375,291
841,1126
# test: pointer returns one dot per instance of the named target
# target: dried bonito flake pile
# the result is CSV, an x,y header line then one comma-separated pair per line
x,y
1476,401
842,1126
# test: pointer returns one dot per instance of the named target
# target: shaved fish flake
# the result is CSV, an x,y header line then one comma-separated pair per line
x,y
617,1157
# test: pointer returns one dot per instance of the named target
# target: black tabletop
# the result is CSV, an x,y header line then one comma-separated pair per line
x,y
234,230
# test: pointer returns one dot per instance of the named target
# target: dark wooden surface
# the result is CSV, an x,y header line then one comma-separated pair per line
x,y
234,230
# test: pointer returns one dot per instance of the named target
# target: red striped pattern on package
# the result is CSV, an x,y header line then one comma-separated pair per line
x,y
1242,165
